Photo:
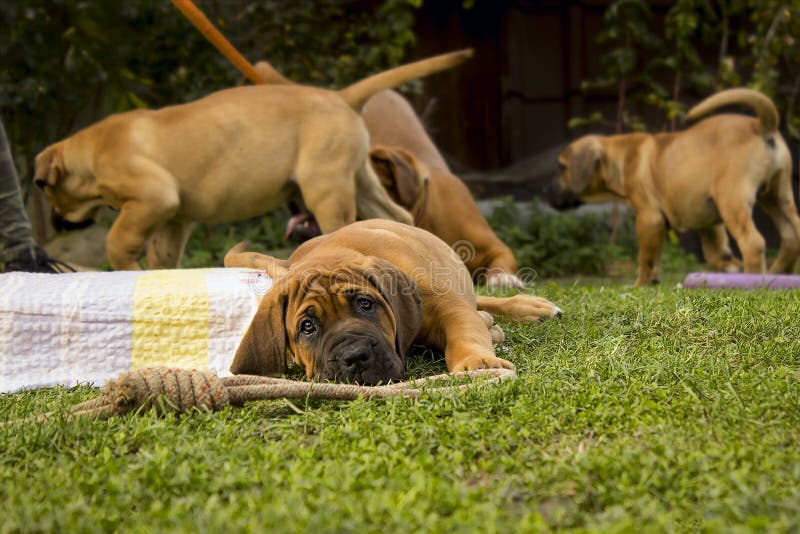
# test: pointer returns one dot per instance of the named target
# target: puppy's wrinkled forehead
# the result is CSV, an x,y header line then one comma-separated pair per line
x,y
325,298
326,295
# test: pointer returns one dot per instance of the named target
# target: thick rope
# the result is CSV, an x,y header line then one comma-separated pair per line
x,y
170,390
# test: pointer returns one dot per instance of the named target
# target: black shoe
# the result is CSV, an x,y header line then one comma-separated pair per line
x,y
37,261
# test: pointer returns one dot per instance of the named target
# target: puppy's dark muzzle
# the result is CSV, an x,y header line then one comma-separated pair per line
x,y
61,224
360,357
561,198
356,357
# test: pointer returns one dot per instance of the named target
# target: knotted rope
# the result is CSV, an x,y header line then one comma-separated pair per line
x,y
170,390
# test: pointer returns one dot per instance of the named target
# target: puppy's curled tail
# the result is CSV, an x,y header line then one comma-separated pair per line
x,y
238,256
758,102
358,93
233,258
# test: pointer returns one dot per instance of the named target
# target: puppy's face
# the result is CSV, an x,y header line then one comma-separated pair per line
x,y
585,173
346,323
75,198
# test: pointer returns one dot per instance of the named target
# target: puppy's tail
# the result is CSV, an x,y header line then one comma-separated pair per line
x,y
233,254
358,93
268,72
238,256
756,101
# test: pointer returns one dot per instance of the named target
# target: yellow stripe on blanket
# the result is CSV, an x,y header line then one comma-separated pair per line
x,y
171,319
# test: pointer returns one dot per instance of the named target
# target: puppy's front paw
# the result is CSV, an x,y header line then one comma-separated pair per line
x,y
529,309
472,363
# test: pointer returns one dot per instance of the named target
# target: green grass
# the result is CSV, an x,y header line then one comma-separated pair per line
x,y
640,410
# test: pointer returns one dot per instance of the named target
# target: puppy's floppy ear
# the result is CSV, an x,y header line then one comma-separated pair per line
x,y
49,166
582,158
404,298
399,173
263,348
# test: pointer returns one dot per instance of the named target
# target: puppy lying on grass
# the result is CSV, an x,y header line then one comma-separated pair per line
x,y
346,306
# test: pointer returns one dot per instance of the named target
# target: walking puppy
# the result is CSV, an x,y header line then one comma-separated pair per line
x,y
232,155
706,178
417,177
346,306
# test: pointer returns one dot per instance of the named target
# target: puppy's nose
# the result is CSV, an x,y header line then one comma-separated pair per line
x,y
357,357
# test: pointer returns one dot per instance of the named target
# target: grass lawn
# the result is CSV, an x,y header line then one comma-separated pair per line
x,y
641,409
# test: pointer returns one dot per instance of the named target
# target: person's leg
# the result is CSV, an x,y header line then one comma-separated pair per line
x,y
18,250
15,229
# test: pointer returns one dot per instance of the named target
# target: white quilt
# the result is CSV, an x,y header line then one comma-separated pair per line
x,y
88,327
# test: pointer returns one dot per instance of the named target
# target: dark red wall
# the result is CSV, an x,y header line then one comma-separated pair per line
x,y
515,98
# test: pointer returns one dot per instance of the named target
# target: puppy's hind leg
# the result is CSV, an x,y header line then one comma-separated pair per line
x,y
519,308
326,177
333,207
736,208
778,203
717,250
165,247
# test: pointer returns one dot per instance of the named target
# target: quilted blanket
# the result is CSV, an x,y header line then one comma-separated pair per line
x,y
88,327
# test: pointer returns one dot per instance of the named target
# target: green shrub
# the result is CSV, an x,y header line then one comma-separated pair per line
x,y
552,244
570,243
209,243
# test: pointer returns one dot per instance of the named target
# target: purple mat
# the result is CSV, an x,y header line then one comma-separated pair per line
x,y
741,281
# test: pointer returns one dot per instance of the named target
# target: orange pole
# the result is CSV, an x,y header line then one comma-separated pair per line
x,y
213,35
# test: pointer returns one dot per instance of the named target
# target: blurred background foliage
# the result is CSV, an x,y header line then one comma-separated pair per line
x,y
571,243
701,47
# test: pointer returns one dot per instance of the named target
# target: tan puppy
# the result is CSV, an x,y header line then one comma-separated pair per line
x,y
346,306
706,178
229,156
441,202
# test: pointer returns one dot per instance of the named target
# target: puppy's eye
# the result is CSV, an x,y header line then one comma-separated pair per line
x,y
364,304
307,327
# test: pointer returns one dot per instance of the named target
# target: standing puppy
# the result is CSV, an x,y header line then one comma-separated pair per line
x,y
417,177
232,155
706,178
